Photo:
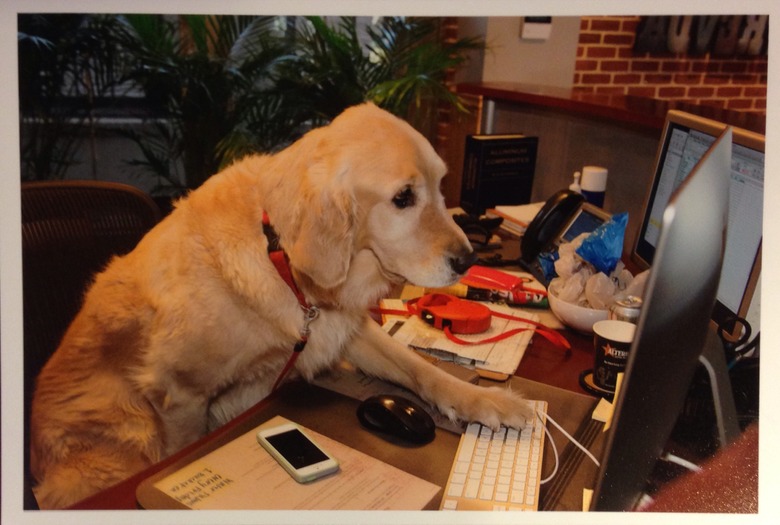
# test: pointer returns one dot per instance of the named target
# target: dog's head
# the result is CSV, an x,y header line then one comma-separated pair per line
x,y
374,186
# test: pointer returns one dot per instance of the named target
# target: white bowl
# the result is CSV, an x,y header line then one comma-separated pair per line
x,y
576,317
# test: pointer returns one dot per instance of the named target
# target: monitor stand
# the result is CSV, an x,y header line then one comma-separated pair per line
x,y
714,362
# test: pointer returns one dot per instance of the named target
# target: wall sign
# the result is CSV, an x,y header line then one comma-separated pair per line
x,y
535,27
697,35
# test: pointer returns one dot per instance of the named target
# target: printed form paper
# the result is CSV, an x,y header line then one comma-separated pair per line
x,y
242,475
502,356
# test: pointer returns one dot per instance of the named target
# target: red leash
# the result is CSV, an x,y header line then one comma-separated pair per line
x,y
310,313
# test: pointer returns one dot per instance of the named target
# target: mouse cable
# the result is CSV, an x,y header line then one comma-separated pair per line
x,y
555,450
677,460
646,500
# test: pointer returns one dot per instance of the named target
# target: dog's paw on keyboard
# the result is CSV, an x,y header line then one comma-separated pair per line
x,y
498,470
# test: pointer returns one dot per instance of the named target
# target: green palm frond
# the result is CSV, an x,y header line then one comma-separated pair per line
x,y
226,86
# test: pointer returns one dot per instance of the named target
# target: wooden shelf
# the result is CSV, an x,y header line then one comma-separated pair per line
x,y
625,109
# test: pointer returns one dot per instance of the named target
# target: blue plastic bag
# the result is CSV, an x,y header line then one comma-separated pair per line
x,y
547,262
604,247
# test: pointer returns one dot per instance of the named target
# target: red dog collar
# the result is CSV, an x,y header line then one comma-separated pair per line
x,y
310,313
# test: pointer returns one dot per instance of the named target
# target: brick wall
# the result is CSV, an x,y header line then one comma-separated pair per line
x,y
606,63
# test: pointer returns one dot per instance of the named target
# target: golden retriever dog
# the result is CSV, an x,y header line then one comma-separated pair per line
x,y
195,324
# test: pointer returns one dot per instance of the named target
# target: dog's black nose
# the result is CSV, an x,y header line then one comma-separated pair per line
x,y
462,263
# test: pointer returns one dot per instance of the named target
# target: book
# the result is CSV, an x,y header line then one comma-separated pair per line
x,y
497,170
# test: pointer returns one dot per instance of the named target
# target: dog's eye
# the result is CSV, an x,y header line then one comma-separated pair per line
x,y
404,198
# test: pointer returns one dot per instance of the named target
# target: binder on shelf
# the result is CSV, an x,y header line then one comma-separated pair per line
x,y
497,170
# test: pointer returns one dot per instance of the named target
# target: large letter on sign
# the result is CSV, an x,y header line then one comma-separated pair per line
x,y
751,41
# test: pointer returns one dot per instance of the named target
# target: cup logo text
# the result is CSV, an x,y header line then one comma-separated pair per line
x,y
617,353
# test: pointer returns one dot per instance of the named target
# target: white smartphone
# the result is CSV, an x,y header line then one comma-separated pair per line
x,y
296,452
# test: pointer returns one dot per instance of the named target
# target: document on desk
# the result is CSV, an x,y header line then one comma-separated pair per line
x,y
502,357
242,475
516,217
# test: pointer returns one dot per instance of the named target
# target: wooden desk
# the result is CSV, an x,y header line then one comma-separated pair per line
x,y
333,415
545,363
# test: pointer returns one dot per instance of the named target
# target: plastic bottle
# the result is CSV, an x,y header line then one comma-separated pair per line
x,y
575,186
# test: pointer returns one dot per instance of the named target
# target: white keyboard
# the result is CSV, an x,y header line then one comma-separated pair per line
x,y
497,470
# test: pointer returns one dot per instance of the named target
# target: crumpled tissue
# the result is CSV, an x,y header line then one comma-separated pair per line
x,y
590,272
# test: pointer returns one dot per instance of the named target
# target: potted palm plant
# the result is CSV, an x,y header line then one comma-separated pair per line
x,y
231,85
68,73
200,72
219,87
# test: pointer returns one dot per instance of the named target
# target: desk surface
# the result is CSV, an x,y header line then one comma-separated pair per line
x,y
333,415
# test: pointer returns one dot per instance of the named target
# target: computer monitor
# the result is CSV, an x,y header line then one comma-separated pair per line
x,y
684,139
671,333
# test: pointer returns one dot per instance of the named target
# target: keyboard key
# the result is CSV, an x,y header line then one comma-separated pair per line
x,y
455,490
467,442
472,489
461,467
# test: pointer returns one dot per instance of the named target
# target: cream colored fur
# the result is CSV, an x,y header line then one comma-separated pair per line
x,y
194,325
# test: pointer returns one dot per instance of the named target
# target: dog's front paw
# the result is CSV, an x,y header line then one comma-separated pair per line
x,y
491,406
504,407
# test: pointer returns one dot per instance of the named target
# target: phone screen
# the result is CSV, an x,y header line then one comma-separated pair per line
x,y
585,222
296,448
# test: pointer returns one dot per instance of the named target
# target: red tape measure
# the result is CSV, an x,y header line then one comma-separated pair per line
x,y
453,315
447,311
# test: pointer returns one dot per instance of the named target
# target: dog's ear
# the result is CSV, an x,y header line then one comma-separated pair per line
x,y
323,243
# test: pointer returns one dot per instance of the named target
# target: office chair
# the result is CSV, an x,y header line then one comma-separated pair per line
x,y
70,230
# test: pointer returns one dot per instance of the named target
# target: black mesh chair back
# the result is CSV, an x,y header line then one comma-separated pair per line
x,y
70,230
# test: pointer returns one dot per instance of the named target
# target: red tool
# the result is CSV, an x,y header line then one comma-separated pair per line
x,y
446,311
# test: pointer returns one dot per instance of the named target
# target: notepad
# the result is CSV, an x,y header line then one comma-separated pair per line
x,y
242,475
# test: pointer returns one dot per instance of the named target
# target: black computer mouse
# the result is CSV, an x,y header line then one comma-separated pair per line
x,y
397,416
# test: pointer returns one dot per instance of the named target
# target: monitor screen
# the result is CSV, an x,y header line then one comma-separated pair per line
x,y
685,139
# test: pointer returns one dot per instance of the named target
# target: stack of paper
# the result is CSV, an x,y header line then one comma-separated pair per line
x,y
516,218
500,357
242,475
